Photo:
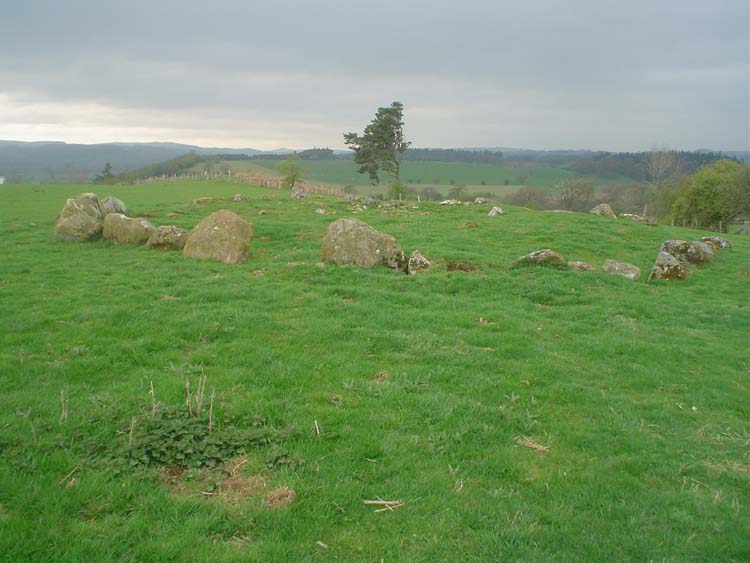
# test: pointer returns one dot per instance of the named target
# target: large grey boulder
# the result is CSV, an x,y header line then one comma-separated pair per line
x,y
718,241
546,257
167,237
622,269
605,210
693,251
111,204
121,229
351,241
667,267
417,263
222,236
80,219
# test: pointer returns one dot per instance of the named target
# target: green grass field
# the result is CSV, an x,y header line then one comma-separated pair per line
x,y
477,177
523,414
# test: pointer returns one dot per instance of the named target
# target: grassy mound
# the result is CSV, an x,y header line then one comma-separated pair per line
x,y
527,414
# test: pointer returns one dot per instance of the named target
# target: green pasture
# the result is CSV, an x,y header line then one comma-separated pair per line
x,y
444,175
529,414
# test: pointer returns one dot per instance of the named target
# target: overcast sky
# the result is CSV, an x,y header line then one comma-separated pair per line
x,y
600,74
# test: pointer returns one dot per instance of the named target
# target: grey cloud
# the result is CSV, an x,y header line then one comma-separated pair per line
x,y
603,74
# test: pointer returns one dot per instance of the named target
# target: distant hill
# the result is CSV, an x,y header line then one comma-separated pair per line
x,y
67,162
41,162
739,155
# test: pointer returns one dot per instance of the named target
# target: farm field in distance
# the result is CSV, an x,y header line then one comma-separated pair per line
x,y
528,414
420,174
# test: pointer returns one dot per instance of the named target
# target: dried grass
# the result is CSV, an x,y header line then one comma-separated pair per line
x,y
279,497
528,442
381,376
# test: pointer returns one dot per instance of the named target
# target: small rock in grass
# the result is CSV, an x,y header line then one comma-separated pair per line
x,y
634,217
582,266
545,257
712,245
417,263
495,211
718,241
605,210
623,269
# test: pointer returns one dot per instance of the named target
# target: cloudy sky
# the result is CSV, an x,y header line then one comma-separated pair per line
x,y
600,74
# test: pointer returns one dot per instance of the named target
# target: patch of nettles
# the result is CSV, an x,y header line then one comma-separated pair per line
x,y
172,436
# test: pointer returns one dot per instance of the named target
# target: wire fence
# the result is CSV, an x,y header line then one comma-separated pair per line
x,y
250,178
186,176
738,228
279,184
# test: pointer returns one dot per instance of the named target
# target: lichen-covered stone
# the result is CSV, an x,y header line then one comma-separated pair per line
x,y
712,245
623,269
634,217
667,267
351,241
121,229
605,210
223,236
545,257
417,263
693,251
111,204
167,237
721,242
80,219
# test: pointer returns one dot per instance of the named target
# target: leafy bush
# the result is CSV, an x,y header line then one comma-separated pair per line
x,y
528,196
430,193
397,190
717,193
